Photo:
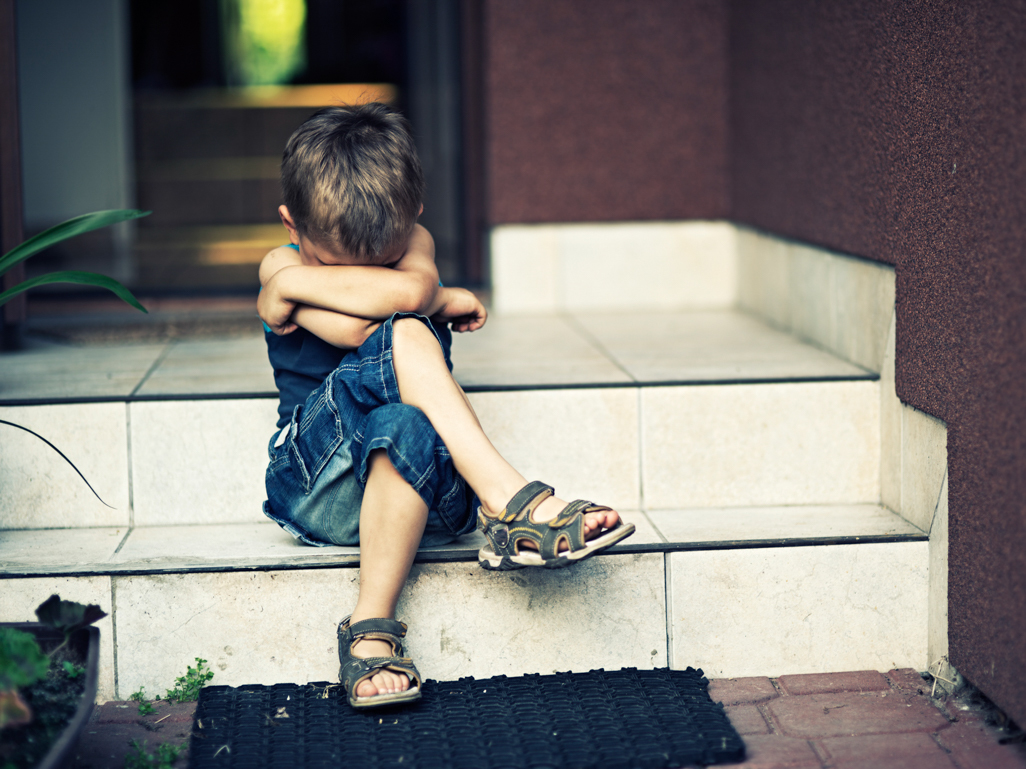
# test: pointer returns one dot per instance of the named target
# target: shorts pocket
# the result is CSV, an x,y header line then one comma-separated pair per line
x,y
315,435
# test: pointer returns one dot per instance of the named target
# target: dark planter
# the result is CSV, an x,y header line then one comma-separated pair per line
x,y
86,643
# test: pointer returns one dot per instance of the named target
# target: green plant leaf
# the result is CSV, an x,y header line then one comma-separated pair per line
x,y
65,230
68,616
22,663
73,276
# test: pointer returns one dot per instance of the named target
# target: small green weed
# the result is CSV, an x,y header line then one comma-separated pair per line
x,y
145,708
72,671
187,687
165,756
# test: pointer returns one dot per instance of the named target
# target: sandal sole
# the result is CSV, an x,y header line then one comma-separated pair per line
x,y
492,561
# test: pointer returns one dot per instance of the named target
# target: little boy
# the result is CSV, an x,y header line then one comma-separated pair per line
x,y
377,445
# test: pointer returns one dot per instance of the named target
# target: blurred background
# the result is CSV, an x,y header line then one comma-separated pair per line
x,y
183,107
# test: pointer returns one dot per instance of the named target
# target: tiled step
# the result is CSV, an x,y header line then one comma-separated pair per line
x,y
699,410
735,591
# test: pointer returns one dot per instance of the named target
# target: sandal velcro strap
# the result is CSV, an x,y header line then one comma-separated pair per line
x,y
377,628
527,499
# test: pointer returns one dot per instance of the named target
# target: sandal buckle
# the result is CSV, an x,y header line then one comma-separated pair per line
x,y
500,535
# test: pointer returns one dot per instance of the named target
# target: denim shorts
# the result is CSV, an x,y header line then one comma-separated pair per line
x,y
319,461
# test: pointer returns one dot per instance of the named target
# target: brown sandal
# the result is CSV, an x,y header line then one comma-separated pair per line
x,y
506,530
354,670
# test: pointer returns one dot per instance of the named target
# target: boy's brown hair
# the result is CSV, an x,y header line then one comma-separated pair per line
x,y
351,179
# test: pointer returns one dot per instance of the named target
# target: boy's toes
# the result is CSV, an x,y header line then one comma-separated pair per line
x,y
382,682
595,523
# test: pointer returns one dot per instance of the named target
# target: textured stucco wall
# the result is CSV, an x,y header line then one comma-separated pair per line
x,y
605,110
897,131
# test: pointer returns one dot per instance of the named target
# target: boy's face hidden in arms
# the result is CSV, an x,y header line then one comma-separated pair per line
x,y
314,254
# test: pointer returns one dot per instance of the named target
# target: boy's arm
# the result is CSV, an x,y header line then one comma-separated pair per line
x,y
364,291
285,317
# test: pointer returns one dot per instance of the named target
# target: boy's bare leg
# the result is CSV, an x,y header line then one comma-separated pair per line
x,y
425,382
392,519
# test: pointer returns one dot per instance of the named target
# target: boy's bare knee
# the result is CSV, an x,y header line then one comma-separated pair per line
x,y
411,327
413,332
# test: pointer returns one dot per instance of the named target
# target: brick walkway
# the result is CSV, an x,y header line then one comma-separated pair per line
x,y
859,720
833,720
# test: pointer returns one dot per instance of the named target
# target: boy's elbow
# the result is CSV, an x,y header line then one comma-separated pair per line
x,y
417,297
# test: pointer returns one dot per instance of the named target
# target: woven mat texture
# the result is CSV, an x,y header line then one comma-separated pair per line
x,y
617,719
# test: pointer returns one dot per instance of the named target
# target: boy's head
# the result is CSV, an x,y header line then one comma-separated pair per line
x,y
351,180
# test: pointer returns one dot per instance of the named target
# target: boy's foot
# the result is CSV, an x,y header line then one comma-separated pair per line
x,y
378,674
384,681
537,529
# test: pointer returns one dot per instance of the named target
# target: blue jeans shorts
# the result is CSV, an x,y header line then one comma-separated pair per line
x,y
319,461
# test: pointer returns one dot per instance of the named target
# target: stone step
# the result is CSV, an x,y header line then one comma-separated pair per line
x,y
671,410
736,591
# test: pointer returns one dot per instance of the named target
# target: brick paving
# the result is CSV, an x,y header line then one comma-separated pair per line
x,y
108,738
860,719
856,720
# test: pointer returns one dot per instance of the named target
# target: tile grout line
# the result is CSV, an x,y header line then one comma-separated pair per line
x,y
114,633
668,597
131,474
641,458
591,339
156,364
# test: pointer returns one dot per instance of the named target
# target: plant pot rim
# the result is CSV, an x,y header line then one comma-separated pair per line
x,y
61,752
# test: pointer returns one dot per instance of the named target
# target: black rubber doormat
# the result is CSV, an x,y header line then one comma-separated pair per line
x,y
629,718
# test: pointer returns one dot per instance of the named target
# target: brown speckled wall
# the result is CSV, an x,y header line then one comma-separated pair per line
x,y
897,131
605,110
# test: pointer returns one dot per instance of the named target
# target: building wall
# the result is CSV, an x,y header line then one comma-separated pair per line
x,y
895,131
601,110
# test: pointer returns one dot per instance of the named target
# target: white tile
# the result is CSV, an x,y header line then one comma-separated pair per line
x,y
270,627
607,612
584,443
744,524
783,610
644,532
721,345
20,597
938,633
57,550
924,458
811,295
237,365
524,269
61,371
748,445
764,276
251,627
647,265
864,304
41,490
239,545
530,350
200,461
890,429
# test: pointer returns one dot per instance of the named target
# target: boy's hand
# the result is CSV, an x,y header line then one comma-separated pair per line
x,y
274,310
461,308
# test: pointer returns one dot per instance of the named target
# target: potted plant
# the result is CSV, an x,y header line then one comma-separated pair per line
x,y
48,679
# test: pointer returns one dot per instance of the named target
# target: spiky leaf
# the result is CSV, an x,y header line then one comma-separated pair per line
x,y
74,276
69,229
